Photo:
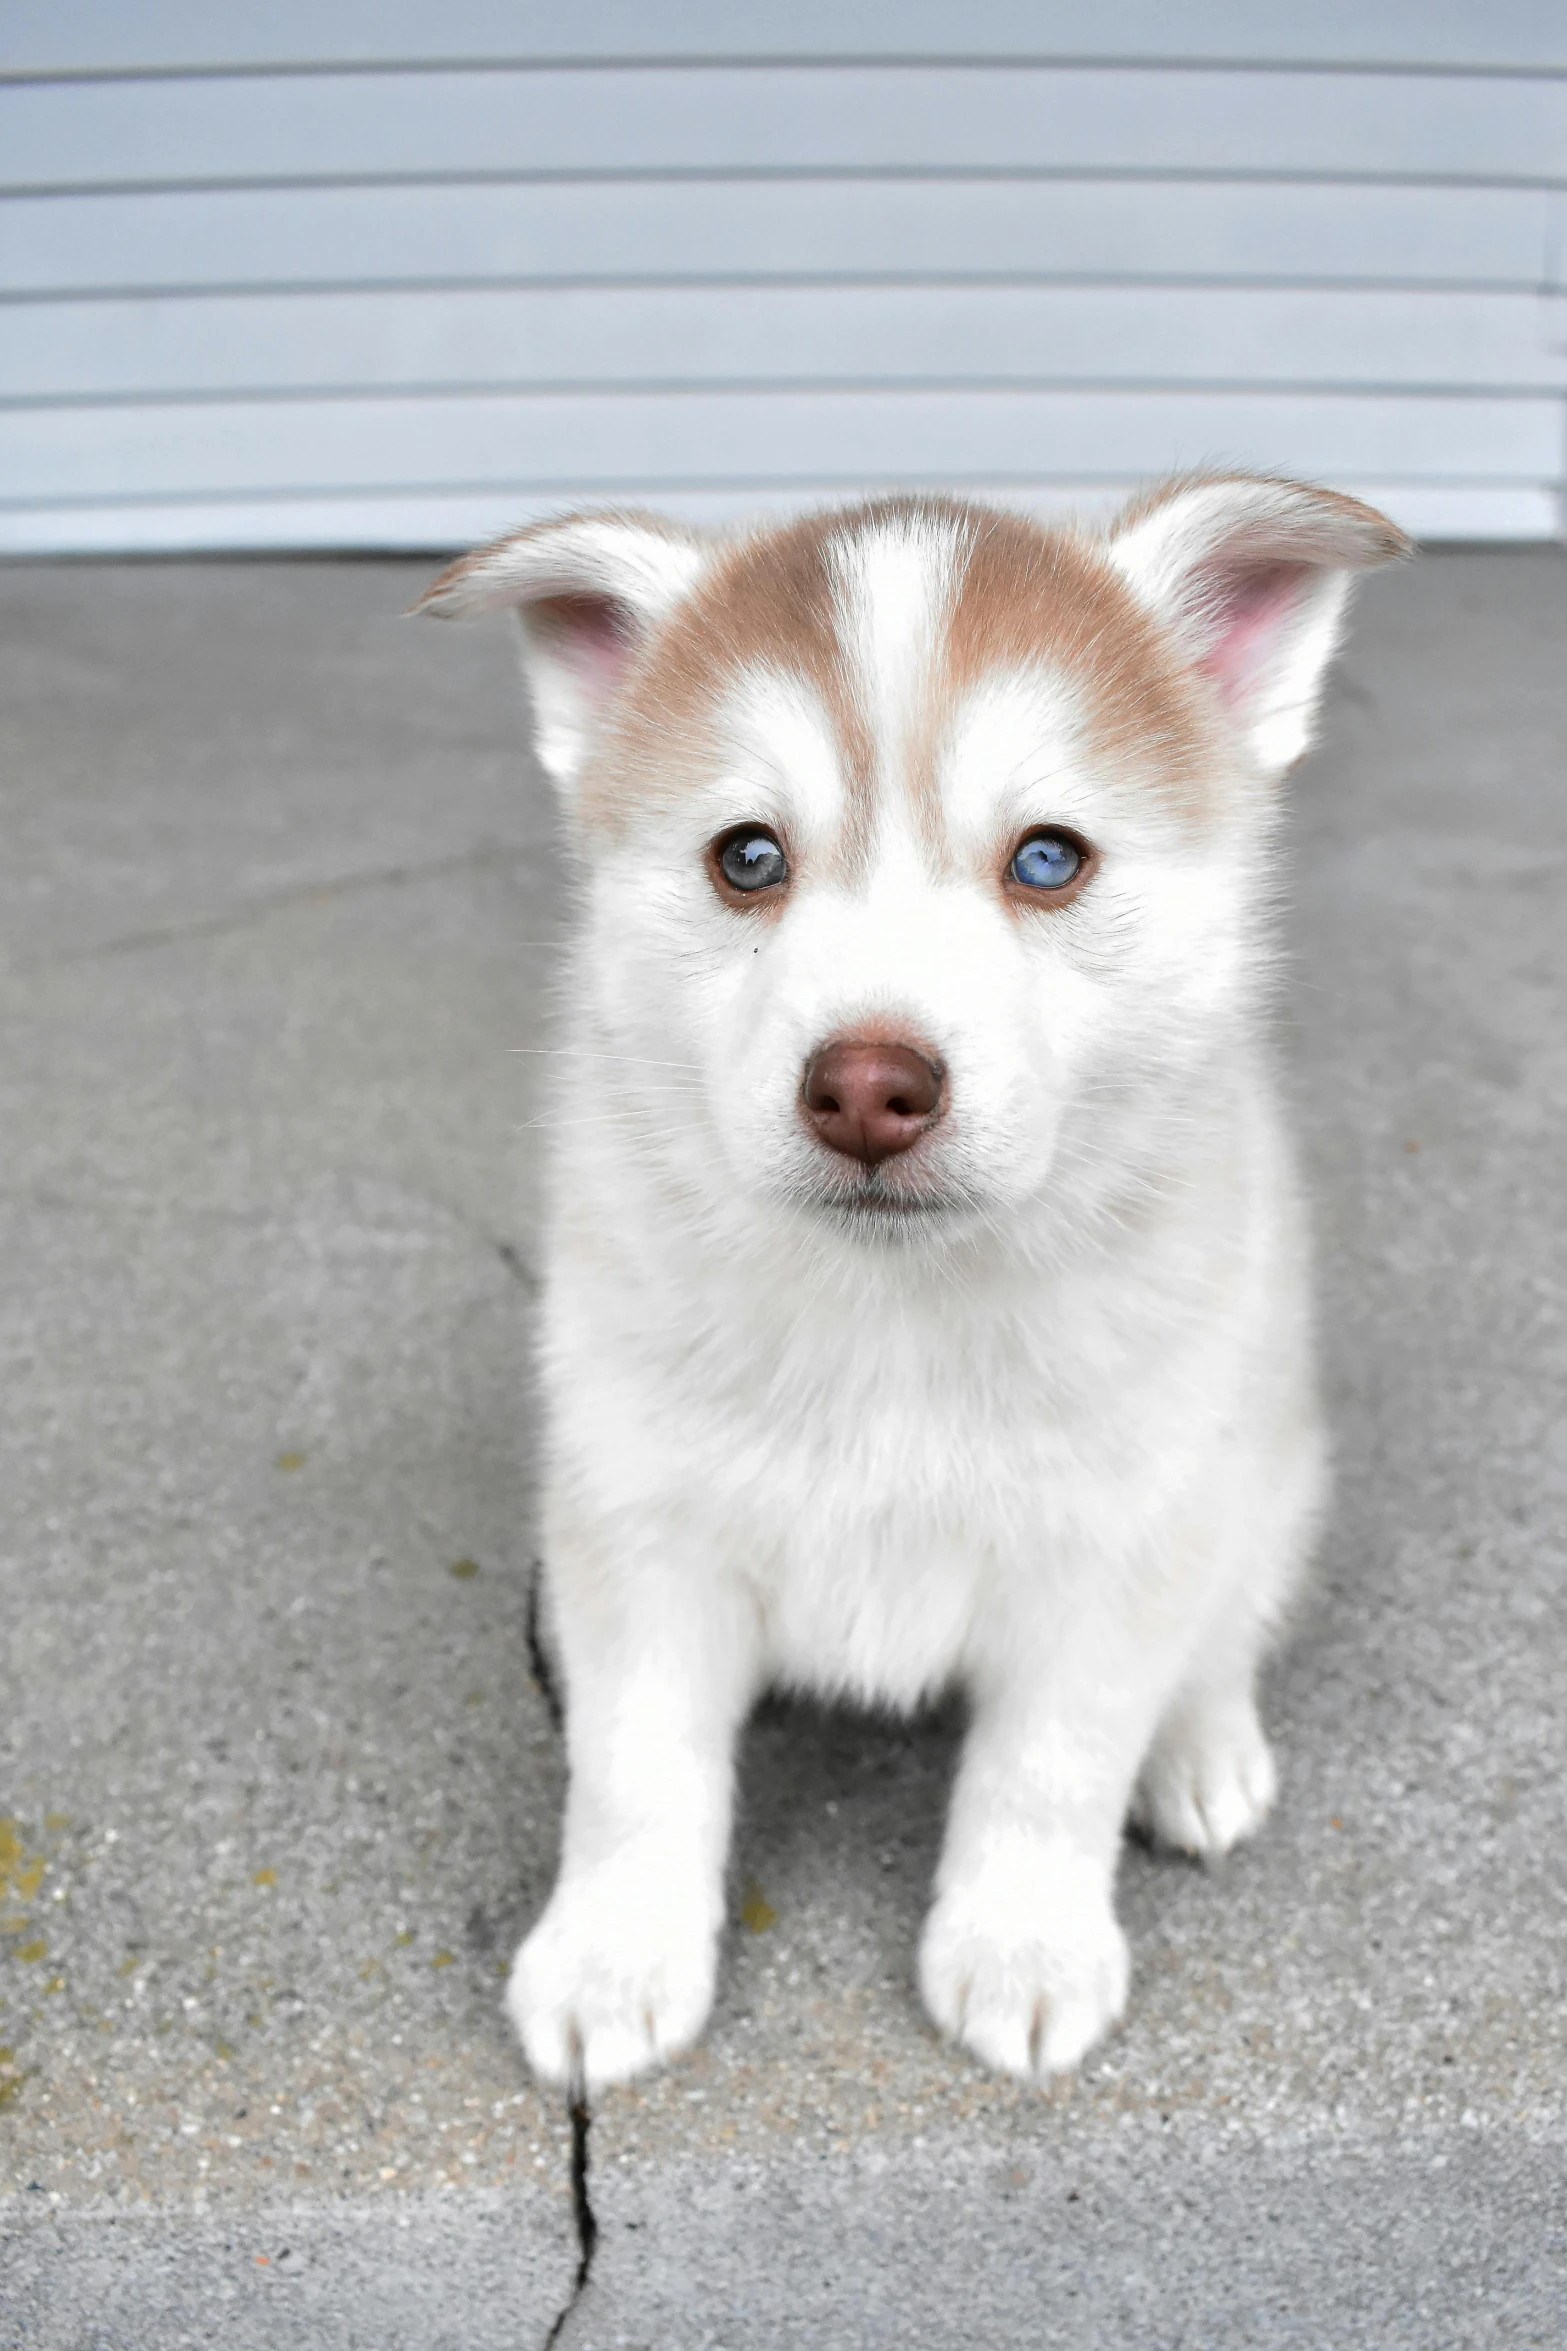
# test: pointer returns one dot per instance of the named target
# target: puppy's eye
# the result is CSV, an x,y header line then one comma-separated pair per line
x,y
1045,861
750,859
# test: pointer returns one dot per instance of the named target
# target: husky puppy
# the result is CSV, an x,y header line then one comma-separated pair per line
x,y
926,1293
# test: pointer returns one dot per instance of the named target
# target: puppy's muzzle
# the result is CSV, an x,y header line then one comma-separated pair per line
x,y
870,1099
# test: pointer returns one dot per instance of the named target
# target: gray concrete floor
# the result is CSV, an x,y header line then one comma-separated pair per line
x,y
279,893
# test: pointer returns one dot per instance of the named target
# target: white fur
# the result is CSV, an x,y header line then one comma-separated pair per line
x,y
1057,1443
895,585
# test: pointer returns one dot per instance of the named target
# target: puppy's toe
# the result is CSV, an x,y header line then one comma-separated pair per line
x,y
609,1983
1208,1784
1030,1998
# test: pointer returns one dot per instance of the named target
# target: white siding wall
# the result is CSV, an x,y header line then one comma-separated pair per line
x,y
366,273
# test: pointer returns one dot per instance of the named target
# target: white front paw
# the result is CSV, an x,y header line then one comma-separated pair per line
x,y
1208,1782
1027,1975
618,1974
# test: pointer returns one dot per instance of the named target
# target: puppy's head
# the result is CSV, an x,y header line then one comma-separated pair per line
x,y
922,846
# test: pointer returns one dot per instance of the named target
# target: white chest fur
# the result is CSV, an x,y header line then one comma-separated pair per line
x,y
902,1462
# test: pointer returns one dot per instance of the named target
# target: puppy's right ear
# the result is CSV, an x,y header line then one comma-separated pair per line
x,y
586,591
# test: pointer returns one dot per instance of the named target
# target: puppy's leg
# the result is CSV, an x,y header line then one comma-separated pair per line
x,y
1208,1779
659,1662
1022,1958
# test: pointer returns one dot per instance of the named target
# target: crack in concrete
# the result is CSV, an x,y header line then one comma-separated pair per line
x,y
515,1263
539,1661
579,2113
582,2213
241,918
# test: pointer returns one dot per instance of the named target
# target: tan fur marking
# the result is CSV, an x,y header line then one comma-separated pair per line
x,y
773,602
1030,595
767,603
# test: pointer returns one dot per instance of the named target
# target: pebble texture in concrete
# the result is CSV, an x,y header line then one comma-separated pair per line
x,y
279,900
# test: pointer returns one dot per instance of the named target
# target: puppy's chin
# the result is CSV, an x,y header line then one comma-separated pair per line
x,y
893,1202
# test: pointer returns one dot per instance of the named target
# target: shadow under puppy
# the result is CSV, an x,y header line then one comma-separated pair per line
x,y
926,1288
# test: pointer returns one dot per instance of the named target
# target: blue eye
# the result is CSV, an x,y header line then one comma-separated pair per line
x,y
752,860
1046,861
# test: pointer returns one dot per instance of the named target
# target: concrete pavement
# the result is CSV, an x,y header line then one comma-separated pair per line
x,y
278,901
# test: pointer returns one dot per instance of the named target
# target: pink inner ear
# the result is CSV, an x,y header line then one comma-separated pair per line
x,y
594,635
1246,608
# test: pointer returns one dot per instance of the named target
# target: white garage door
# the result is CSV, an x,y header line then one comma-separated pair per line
x,y
371,273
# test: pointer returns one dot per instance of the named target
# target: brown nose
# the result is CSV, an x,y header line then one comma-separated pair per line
x,y
871,1100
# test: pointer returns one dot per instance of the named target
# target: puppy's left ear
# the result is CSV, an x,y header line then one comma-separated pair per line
x,y
1252,577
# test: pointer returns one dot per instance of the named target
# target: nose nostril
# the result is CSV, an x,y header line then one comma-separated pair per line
x,y
870,1099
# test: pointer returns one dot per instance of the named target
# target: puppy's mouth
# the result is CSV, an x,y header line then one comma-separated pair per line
x,y
870,1196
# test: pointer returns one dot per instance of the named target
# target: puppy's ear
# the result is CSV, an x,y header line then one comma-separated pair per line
x,y
586,591
1252,577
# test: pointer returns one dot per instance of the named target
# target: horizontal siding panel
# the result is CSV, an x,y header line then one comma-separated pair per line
x,y
598,444
442,522
533,338
41,36
799,118
788,228
717,284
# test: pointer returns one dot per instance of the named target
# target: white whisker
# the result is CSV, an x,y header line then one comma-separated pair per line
x,y
610,1115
